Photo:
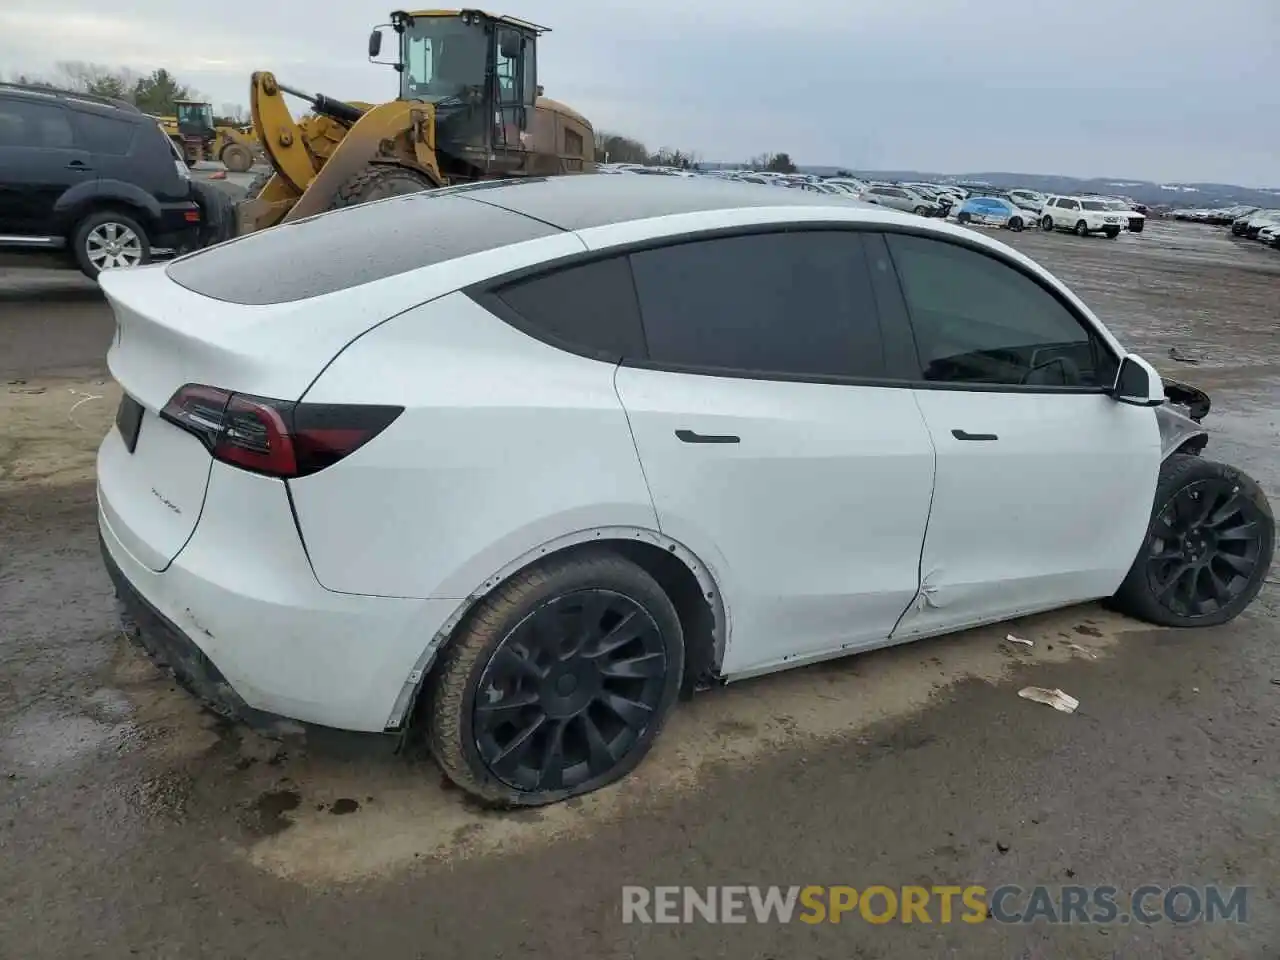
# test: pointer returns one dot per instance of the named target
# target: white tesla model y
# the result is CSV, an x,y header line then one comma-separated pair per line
x,y
515,465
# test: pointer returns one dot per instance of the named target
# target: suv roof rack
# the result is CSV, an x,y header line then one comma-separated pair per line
x,y
60,93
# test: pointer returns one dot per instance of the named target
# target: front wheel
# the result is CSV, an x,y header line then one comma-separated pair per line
x,y
1046,224
108,240
1082,229
237,158
1207,550
921,211
964,218
379,182
557,683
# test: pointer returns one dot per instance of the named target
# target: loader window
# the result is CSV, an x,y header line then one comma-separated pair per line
x,y
442,58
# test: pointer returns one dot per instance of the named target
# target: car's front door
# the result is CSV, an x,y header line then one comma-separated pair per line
x,y
804,490
1044,482
39,162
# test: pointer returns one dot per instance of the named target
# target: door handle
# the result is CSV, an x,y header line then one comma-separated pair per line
x,y
78,165
966,435
689,436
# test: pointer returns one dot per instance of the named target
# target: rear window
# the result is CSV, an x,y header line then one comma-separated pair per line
x,y
351,247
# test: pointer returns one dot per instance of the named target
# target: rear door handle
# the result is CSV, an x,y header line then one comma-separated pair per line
x,y
78,165
966,435
689,436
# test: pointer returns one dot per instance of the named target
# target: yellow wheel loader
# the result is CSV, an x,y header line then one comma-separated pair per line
x,y
469,108
199,138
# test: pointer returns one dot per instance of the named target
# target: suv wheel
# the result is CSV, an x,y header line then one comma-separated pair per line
x,y
107,240
557,683
1082,229
1047,224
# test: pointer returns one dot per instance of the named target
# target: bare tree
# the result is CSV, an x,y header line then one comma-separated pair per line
x,y
613,147
234,113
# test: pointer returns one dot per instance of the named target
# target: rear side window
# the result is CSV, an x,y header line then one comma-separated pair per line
x,y
27,124
793,304
589,309
101,134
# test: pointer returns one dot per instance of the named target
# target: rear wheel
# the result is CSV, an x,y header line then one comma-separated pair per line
x,y
1082,229
557,683
108,240
1046,224
922,211
237,157
1015,224
380,182
1207,550
964,218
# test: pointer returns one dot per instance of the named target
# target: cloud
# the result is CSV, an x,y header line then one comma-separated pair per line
x,y
1176,89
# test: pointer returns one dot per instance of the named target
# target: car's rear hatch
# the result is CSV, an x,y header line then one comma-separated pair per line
x,y
152,474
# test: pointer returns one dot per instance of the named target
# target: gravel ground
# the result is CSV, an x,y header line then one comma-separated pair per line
x,y
133,825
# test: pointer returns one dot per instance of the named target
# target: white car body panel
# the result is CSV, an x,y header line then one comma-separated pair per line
x,y
243,590
811,524
991,551
494,417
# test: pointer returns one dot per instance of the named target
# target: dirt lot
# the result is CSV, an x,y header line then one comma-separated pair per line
x,y
131,824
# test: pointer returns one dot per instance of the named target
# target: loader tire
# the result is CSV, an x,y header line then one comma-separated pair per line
x,y
378,183
237,158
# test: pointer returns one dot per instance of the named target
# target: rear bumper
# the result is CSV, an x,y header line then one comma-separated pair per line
x,y
240,618
174,228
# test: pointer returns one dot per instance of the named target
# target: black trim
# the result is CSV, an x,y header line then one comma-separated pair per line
x,y
966,435
902,360
690,436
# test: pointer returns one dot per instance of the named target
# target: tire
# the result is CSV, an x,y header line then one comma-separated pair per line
x,y
1015,224
964,218
1082,229
107,239
1047,224
492,652
1111,233
236,157
378,183
921,211
1185,481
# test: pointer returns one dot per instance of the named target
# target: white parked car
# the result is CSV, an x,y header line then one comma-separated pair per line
x,y
1134,221
1028,199
546,454
1082,215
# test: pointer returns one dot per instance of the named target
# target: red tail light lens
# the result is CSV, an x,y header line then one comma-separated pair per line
x,y
279,438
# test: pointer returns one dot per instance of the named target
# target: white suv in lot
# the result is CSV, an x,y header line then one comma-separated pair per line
x,y
504,469
1081,215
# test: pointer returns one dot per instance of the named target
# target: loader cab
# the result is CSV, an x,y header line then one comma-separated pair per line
x,y
480,73
195,119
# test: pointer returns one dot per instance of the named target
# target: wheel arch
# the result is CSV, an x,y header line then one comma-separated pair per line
x,y
687,580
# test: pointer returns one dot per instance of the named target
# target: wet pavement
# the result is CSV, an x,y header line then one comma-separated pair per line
x,y
134,825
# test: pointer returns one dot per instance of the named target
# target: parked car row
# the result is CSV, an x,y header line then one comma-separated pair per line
x,y
1246,221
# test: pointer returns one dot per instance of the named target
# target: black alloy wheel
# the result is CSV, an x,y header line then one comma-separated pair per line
x,y
1205,547
569,691
1208,547
557,682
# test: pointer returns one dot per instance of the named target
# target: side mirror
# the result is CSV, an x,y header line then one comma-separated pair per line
x,y
1138,383
375,43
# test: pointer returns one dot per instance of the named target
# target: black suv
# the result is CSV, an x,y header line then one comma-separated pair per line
x,y
91,176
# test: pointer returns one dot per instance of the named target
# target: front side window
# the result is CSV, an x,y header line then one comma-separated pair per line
x,y
443,57
978,320
785,304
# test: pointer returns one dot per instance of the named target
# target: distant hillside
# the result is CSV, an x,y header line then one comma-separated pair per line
x,y
1143,191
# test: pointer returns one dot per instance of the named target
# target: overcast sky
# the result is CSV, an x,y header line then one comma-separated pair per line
x,y
1151,89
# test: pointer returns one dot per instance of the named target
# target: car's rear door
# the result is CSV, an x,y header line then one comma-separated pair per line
x,y
768,444
39,162
1044,483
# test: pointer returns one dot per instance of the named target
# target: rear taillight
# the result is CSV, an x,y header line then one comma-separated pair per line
x,y
278,438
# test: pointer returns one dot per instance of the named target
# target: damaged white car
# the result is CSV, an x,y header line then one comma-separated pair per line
x,y
541,456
